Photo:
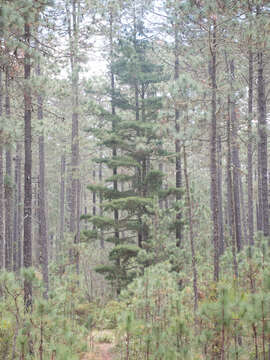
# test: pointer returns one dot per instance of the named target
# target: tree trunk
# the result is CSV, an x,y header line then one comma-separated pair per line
x,y
220,197
94,199
8,189
243,211
62,203
178,163
42,218
114,151
191,234
1,182
250,151
27,243
100,178
19,200
230,191
235,165
16,224
262,146
75,183
213,150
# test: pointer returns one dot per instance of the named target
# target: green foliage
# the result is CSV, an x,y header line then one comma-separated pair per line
x,y
51,323
154,323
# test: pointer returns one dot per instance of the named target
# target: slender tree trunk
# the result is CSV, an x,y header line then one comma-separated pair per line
x,y
75,183
27,243
100,178
94,199
191,233
62,203
213,160
220,197
8,189
160,168
138,170
243,211
16,225
262,146
42,219
114,151
235,165
230,191
19,199
1,181
178,163
250,151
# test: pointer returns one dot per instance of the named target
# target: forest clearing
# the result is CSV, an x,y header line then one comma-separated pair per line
x,y
134,180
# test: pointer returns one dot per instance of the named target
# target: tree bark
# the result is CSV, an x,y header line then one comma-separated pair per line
x,y
75,183
16,224
262,146
19,200
114,151
235,164
62,203
230,191
42,213
27,243
191,233
250,151
213,150
1,181
8,188
100,179
178,162
220,197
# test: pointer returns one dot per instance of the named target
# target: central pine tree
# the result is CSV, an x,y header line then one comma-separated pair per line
x,y
133,139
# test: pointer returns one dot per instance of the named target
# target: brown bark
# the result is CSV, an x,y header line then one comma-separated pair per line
x,y
27,242
94,199
220,197
230,191
243,212
75,182
178,162
262,147
114,151
16,223
1,181
213,150
235,164
62,203
42,220
191,233
8,189
42,213
100,179
250,151
19,203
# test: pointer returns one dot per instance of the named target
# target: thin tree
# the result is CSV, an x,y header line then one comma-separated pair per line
x,y
27,241
178,163
191,232
250,150
8,185
1,181
262,141
73,29
42,219
213,148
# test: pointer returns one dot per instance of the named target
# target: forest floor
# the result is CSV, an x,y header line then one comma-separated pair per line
x,y
100,349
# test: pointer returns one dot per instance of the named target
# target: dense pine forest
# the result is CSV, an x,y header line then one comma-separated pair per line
x,y
134,179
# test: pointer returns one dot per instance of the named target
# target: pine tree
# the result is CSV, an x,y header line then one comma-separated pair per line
x,y
134,142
